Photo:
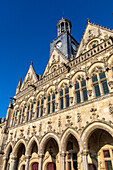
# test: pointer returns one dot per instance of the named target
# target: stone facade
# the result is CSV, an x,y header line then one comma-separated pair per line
x,y
63,119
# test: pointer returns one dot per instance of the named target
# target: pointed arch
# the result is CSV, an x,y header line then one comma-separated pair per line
x,y
91,128
17,145
78,73
65,136
8,148
45,139
95,64
29,146
63,81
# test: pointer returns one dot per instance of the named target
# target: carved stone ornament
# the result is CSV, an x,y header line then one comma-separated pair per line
x,y
78,117
56,105
89,92
69,122
93,112
111,108
40,127
110,83
71,100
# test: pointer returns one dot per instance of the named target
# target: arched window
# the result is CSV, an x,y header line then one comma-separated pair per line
x,y
64,97
80,90
20,116
13,118
31,111
28,110
99,82
23,112
51,103
40,104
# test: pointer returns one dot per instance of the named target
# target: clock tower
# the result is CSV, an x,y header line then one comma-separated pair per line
x,y
64,41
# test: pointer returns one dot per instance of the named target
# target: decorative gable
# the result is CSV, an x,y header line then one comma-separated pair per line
x,y
30,78
94,35
55,61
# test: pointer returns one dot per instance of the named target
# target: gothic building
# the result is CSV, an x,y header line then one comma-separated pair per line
x,y
63,119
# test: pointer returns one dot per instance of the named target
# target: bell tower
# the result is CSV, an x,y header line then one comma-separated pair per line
x,y
64,25
64,42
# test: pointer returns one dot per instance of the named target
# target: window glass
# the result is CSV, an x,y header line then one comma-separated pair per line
x,y
85,97
53,96
78,99
48,98
38,103
61,93
102,75
38,112
106,154
108,165
97,90
66,90
94,78
48,108
83,83
53,106
105,87
61,103
76,86
67,100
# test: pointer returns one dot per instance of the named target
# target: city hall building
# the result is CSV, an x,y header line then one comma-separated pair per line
x,y
63,119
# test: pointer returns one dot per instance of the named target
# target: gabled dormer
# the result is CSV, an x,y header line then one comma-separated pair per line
x,y
94,36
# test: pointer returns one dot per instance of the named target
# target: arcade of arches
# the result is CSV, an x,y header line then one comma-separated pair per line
x,y
66,154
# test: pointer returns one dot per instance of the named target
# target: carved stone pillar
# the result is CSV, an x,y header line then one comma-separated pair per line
x,y
4,162
85,160
13,163
62,157
40,161
27,162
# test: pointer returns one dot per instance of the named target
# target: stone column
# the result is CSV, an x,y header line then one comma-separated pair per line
x,y
40,161
85,160
62,164
13,163
27,162
5,162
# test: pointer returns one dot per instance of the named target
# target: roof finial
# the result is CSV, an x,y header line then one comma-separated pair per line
x,y
88,20
31,63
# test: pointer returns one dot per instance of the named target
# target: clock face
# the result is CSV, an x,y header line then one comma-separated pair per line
x,y
73,46
59,44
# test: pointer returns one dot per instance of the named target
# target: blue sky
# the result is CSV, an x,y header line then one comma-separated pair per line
x,y
28,26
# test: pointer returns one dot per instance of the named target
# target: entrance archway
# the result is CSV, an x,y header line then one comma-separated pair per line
x,y
20,153
51,154
100,147
72,152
